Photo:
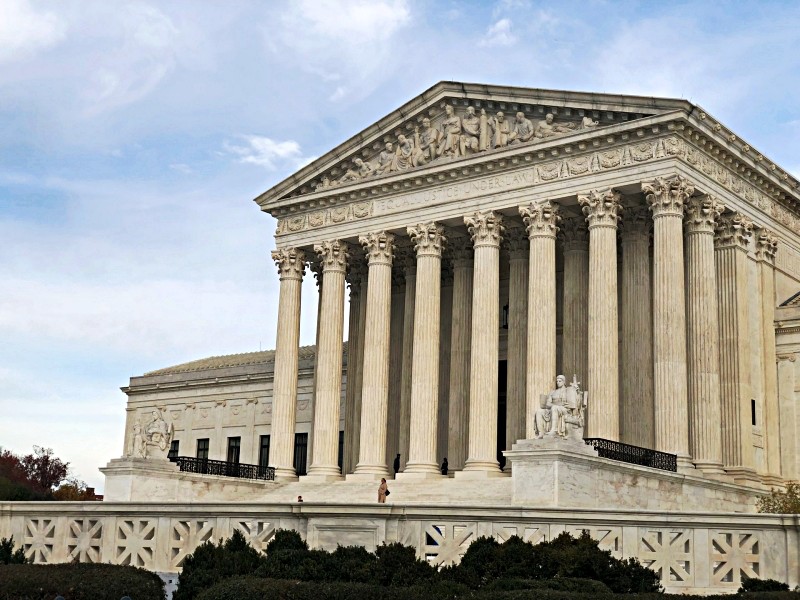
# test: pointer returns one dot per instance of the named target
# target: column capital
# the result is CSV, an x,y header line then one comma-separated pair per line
x,y
333,254
541,218
291,262
734,230
637,224
356,275
379,247
516,242
667,195
601,208
461,252
766,245
702,213
486,228
428,238
574,234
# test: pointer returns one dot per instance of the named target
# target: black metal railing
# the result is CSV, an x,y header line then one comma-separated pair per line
x,y
204,466
634,454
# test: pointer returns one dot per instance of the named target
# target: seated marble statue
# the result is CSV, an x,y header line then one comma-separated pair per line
x,y
549,128
561,412
155,438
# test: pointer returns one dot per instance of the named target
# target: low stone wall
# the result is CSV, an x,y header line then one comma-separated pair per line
x,y
693,552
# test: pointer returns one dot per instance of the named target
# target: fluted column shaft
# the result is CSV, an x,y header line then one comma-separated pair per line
x,y
333,255
576,298
541,221
410,271
666,198
395,370
375,394
460,342
636,364
291,266
733,235
516,374
705,438
766,249
602,210
356,278
486,229
445,334
428,239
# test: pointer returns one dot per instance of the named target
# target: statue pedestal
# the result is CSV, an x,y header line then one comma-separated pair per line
x,y
553,472
129,479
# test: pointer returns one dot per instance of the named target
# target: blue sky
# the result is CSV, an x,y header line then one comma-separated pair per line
x,y
134,135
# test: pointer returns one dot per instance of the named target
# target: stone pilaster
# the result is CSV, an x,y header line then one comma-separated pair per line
x,y
733,235
486,229
324,465
375,390
422,461
790,441
541,222
460,341
410,273
602,210
357,278
575,237
291,266
766,249
702,323
666,198
636,320
516,376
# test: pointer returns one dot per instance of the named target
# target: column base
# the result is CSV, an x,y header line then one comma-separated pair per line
x,y
743,475
366,476
685,464
285,474
465,474
311,478
472,466
710,468
771,480
419,476
323,474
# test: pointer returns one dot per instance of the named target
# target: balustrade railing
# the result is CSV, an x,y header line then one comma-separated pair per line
x,y
634,454
205,466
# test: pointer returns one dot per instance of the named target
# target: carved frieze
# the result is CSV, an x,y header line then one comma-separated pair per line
x,y
702,213
541,219
601,207
290,262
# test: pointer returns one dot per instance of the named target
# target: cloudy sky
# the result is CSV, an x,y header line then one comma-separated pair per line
x,y
134,135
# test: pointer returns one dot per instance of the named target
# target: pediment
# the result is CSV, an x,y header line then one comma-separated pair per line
x,y
456,121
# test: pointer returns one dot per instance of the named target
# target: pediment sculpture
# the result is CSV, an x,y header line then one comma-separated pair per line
x,y
152,440
562,412
455,137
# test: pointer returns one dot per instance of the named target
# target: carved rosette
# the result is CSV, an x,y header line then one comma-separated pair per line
x,y
667,196
291,262
333,255
638,223
702,213
601,208
379,247
428,238
541,219
733,230
574,234
516,242
485,228
766,245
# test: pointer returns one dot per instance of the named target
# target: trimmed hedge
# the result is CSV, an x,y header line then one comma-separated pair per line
x,y
78,581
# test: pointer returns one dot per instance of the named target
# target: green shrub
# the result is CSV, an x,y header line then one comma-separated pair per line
x,y
9,556
211,563
398,565
286,539
753,584
786,502
78,581
559,584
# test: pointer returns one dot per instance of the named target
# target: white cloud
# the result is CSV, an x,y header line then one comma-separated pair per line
x,y
23,30
182,168
266,152
499,34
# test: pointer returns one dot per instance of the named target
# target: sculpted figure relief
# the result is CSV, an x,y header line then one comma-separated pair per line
x,y
154,440
427,140
451,134
549,128
561,412
501,129
523,129
471,125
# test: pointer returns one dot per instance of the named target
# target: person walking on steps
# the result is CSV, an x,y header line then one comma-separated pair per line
x,y
383,491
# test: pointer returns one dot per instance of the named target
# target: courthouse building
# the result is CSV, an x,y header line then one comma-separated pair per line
x,y
487,239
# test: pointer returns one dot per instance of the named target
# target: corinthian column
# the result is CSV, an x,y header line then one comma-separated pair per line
x,y
666,198
516,377
422,462
324,466
733,235
575,342
460,336
486,229
703,333
410,273
357,278
602,209
375,391
541,221
291,265
636,366
766,249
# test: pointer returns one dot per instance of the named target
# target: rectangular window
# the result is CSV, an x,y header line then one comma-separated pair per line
x,y
753,411
341,451
173,449
234,446
300,452
202,448
263,452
